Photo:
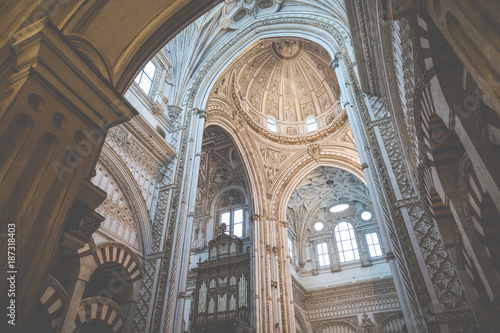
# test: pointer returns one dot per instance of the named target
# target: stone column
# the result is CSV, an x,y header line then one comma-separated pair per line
x,y
183,236
364,254
54,113
257,272
352,102
270,276
286,276
334,257
87,267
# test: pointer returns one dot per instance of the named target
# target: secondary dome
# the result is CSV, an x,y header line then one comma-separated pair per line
x,y
287,81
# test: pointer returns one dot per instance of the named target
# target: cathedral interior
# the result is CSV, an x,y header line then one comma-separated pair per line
x,y
250,166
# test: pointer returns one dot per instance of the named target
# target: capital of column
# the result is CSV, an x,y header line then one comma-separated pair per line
x,y
255,217
201,113
284,224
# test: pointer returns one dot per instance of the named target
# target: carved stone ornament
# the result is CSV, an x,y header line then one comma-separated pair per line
x,y
314,150
174,111
156,110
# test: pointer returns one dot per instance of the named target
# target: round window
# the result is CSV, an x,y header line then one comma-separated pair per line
x,y
318,226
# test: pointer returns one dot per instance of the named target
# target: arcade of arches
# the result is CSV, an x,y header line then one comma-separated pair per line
x,y
326,166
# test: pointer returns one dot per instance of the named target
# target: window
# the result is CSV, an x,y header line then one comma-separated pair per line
x,y
339,208
323,258
238,223
290,249
373,244
311,124
271,124
366,215
234,220
346,242
318,226
145,77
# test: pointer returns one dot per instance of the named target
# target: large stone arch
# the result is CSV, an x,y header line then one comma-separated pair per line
x,y
256,189
119,171
325,31
110,252
305,164
100,309
126,45
337,327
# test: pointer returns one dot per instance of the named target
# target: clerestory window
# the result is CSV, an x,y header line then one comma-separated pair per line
x,y
146,77
234,221
311,124
373,245
272,125
323,257
347,245
290,249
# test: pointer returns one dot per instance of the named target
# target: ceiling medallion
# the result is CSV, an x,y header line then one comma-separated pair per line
x,y
225,24
287,49
314,150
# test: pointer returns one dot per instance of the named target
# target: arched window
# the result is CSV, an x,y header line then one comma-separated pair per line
x,y
146,77
232,212
311,124
272,125
346,242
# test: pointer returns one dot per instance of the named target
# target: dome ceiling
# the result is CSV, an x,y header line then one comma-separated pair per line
x,y
289,79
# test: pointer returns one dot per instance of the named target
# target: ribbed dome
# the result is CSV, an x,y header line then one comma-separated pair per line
x,y
289,80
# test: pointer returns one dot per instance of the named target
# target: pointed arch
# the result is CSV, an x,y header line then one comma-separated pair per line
x,y
119,171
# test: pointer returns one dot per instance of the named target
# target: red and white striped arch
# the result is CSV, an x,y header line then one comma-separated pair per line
x,y
116,253
98,308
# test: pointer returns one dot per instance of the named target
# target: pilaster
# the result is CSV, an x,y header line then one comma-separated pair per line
x,y
54,115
